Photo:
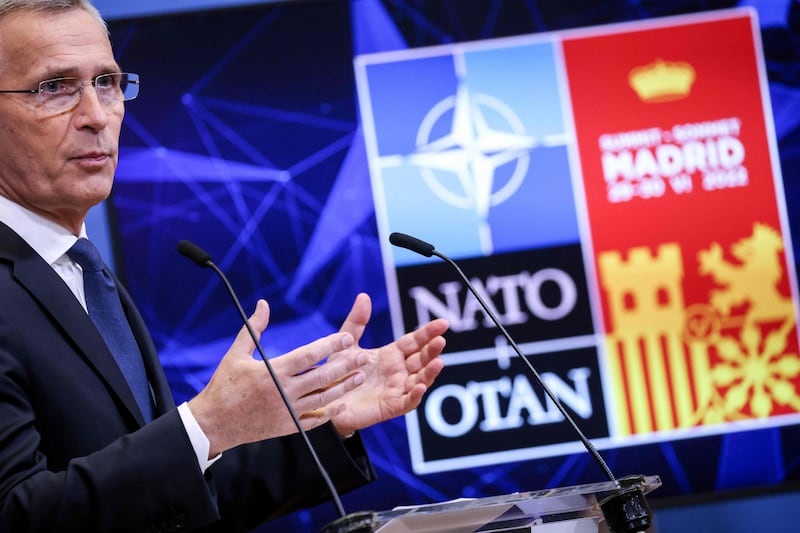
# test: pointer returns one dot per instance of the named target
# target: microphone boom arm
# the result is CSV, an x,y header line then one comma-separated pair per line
x,y
625,509
199,256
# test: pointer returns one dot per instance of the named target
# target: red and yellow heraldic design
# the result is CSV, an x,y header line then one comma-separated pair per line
x,y
686,223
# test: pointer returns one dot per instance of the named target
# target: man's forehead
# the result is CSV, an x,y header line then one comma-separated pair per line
x,y
67,42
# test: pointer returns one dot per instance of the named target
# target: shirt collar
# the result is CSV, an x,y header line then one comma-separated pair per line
x,y
48,239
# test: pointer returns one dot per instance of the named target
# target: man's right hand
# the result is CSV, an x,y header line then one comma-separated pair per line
x,y
241,404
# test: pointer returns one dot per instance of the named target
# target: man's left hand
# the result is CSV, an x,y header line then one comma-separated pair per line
x,y
397,374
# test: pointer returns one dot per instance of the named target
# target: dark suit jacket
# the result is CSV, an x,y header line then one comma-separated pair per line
x,y
74,453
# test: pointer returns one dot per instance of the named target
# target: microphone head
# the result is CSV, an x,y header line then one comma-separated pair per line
x,y
412,243
195,253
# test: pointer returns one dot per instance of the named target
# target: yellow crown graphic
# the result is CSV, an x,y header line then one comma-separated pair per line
x,y
662,81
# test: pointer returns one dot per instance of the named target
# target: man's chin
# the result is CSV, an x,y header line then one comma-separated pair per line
x,y
93,196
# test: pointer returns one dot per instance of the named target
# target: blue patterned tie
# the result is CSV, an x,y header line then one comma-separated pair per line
x,y
105,310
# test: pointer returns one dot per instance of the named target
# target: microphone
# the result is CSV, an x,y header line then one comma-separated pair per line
x,y
626,510
196,254
202,258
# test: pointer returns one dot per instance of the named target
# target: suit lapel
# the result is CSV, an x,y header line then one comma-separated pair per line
x,y
42,282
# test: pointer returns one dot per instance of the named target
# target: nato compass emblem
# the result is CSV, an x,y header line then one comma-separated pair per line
x,y
473,151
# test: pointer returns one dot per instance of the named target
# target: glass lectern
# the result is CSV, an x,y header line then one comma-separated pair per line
x,y
589,508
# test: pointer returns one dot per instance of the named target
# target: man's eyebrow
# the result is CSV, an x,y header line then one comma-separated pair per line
x,y
109,69
58,68
75,72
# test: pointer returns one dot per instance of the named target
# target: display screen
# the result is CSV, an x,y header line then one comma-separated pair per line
x,y
113,9
620,182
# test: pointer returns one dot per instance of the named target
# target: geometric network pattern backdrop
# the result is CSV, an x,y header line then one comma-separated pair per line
x,y
246,139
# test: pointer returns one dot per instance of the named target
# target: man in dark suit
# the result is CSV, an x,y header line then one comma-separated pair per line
x,y
77,452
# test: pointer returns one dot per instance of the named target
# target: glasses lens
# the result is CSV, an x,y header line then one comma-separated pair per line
x,y
65,93
128,85
117,87
59,92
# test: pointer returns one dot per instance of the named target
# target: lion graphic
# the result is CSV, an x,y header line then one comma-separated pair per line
x,y
753,281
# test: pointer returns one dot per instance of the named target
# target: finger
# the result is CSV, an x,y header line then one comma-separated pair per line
x,y
305,357
426,375
243,344
431,351
317,417
414,397
326,398
323,376
415,340
358,317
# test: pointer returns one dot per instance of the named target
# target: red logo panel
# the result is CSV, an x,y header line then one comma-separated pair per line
x,y
686,224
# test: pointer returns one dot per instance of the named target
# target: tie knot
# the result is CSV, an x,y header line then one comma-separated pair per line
x,y
86,255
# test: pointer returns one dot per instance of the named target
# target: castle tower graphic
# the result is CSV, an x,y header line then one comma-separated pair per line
x,y
646,353
729,358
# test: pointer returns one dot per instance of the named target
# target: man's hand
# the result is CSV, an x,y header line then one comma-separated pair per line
x,y
241,404
397,374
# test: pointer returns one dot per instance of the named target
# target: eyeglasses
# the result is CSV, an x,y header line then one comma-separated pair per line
x,y
61,94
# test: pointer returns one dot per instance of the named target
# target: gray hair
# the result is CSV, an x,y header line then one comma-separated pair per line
x,y
53,6
11,6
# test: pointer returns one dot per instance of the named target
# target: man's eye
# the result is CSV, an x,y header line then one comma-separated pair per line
x,y
55,86
105,81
